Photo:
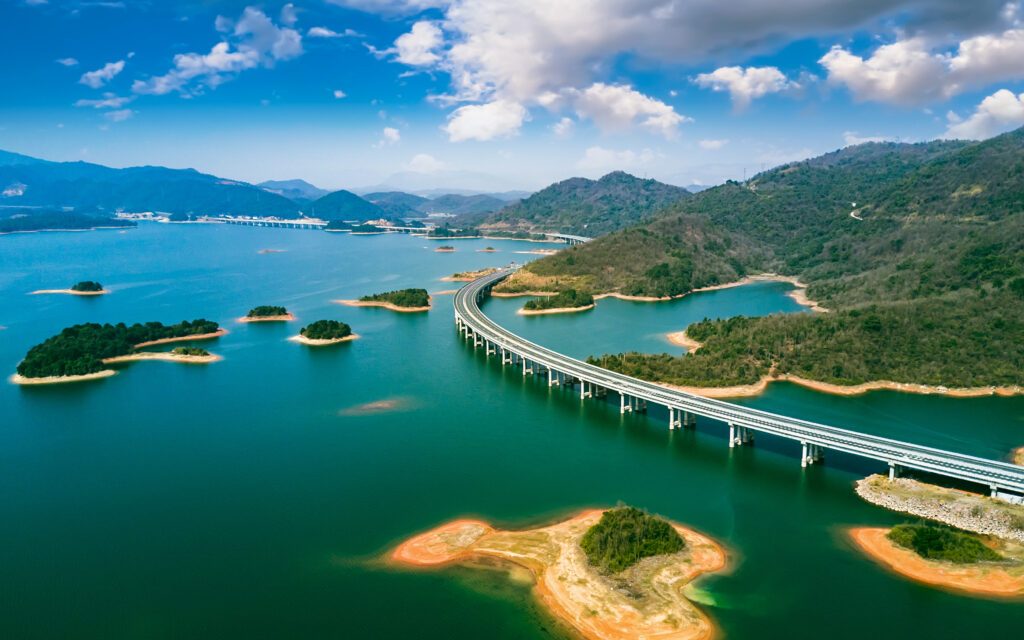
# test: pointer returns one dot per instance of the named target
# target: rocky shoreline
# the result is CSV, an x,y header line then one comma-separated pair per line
x,y
967,511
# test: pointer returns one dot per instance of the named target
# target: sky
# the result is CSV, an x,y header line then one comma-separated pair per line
x,y
498,95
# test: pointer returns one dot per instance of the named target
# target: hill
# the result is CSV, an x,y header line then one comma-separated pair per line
x,y
397,203
82,185
918,249
296,190
589,207
459,205
345,205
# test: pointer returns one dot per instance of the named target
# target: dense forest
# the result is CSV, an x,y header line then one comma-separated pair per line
x,y
446,231
401,298
80,349
87,286
265,311
588,207
934,541
326,330
29,219
565,299
918,249
626,535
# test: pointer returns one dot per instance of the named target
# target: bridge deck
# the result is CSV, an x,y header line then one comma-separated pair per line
x,y
996,475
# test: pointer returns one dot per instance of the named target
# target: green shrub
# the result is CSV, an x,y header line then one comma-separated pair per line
x,y
939,542
567,299
87,286
264,311
625,535
401,298
326,330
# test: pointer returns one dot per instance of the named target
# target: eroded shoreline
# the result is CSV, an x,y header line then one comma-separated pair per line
x,y
287,317
384,305
69,292
200,336
570,588
313,342
542,312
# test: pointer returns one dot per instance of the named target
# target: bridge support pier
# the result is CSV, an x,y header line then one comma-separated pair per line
x,y
995,491
625,406
526,370
490,348
811,454
506,357
584,391
553,378
894,471
739,436
674,421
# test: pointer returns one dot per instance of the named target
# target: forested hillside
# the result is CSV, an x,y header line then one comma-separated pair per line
x,y
589,207
918,249
345,205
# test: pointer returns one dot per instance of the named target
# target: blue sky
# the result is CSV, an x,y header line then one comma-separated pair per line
x,y
498,94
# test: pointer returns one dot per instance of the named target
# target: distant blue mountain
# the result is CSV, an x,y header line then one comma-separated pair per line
x,y
297,190
26,181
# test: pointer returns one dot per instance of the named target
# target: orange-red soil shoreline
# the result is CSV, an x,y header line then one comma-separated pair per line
x,y
288,317
383,305
311,342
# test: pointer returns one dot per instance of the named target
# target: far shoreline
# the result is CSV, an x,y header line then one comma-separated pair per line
x,y
384,305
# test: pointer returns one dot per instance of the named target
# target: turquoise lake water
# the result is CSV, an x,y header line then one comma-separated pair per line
x,y
252,498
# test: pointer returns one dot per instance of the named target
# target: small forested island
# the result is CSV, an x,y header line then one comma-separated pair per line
x,y
404,300
29,219
565,301
445,248
83,288
365,229
487,250
608,575
449,232
338,225
325,332
82,351
267,313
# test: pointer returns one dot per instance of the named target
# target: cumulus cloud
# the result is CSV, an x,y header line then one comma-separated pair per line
x,y
254,41
914,71
418,48
108,101
391,6
853,138
998,113
119,116
498,119
324,32
425,163
746,84
564,127
339,94
67,62
598,160
288,15
712,145
103,75
389,135
616,107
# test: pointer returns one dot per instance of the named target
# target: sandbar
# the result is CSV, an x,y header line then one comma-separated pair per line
x,y
541,312
383,305
446,292
680,339
982,578
595,606
165,356
377,406
469,276
486,250
265,251
69,292
201,336
288,317
20,379
301,339
445,250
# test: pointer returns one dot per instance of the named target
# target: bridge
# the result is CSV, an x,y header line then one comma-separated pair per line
x,y
566,238
252,221
1004,480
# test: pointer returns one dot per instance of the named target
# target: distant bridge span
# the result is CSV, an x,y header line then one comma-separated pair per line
x,y
1004,480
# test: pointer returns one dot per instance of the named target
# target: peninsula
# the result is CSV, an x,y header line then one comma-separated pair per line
x,y
83,288
469,276
324,332
267,313
83,351
566,301
402,300
609,575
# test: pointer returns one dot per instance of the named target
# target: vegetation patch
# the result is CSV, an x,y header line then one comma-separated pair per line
x,y
407,298
190,351
266,311
81,349
937,542
626,535
87,286
567,299
326,330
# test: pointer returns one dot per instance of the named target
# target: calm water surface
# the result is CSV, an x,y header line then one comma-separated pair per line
x,y
252,498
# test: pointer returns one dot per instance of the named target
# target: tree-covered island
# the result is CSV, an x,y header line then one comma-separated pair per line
x,y
625,536
400,300
81,349
267,313
566,300
87,286
324,332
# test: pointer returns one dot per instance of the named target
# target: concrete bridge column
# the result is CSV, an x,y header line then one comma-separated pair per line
x,y
585,391
811,454
689,419
625,403
732,435
675,418
894,471
995,491
552,378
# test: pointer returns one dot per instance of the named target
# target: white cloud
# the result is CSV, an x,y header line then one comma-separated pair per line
x,y
913,71
103,75
391,6
67,62
108,101
712,145
746,85
389,135
324,32
418,48
564,127
598,160
119,116
616,107
257,42
852,138
339,94
288,16
998,113
425,163
498,119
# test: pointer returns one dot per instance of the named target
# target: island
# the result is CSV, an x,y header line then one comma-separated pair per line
x,y
83,288
469,276
566,301
83,351
488,250
324,332
607,574
267,313
445,248
338,226
402,300
187,355
367,229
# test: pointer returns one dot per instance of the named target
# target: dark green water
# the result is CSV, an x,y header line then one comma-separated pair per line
x,y
242,500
